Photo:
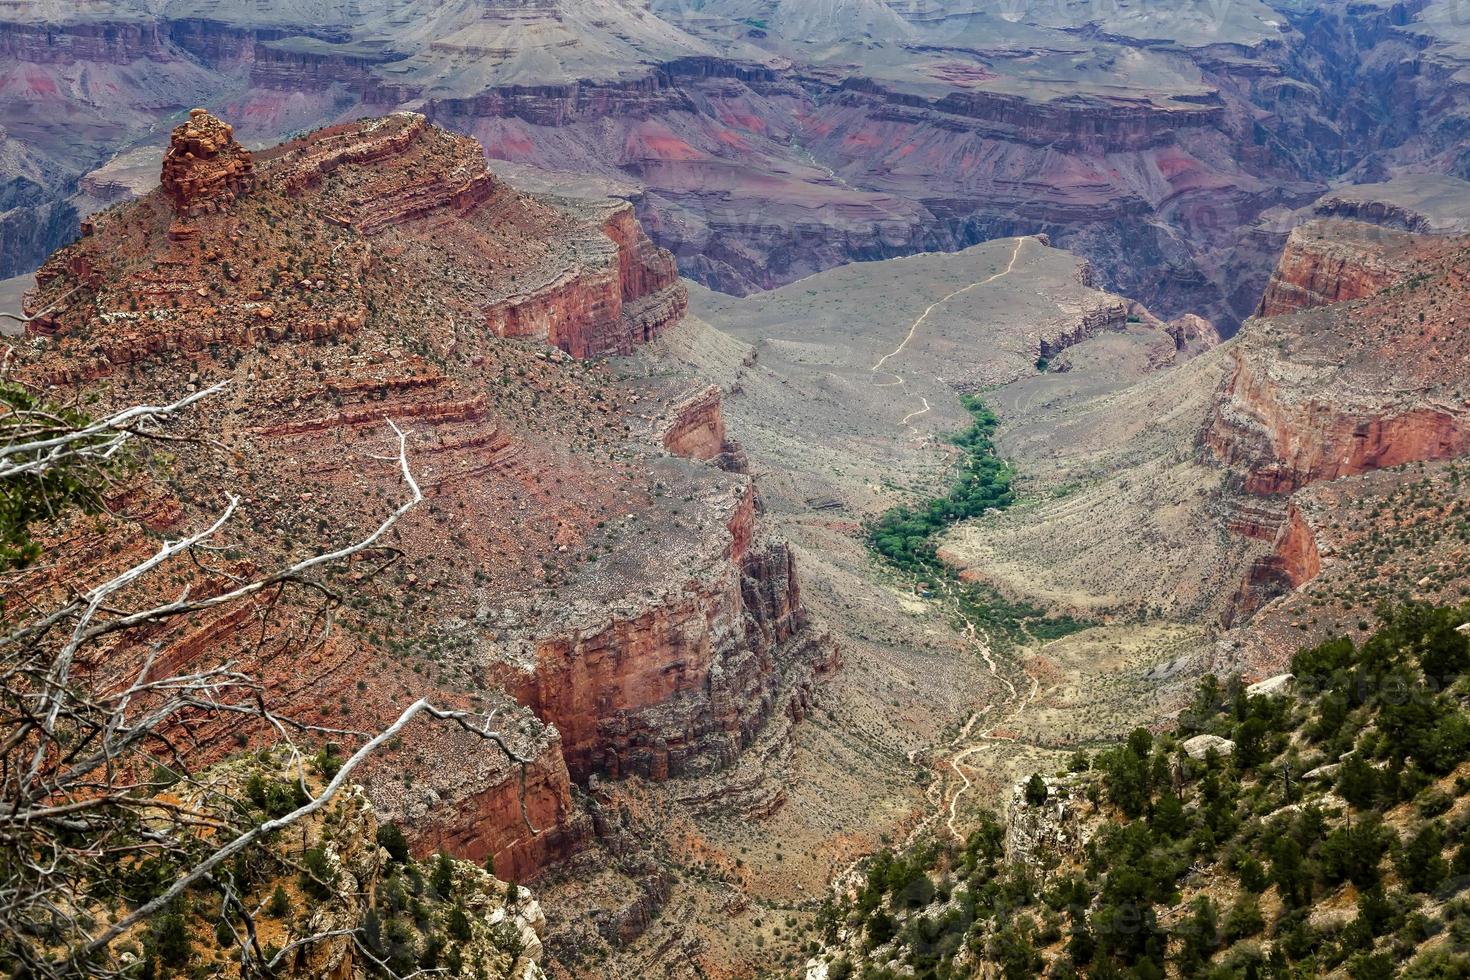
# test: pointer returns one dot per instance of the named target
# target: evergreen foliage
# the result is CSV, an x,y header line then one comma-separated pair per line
x,y
1212,868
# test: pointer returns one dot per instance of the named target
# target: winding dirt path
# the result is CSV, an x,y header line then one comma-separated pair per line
x,y
914,415
1013,701
936,795
914,328
1017,707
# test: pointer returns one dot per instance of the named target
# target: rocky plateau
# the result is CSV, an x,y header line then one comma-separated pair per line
x,y
578,569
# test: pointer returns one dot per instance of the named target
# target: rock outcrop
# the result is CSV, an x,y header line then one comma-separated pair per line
x,y
205,168
615,607
1423,203
633,296
1054,831
1201,746
695,426
1192,334
1333,261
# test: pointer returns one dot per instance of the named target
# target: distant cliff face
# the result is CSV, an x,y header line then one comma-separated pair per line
x,y
762,154
1356,365
1333,261
1350,367
606,593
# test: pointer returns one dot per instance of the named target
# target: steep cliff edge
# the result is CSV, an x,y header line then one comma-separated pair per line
x,y
1357,365
1362,369
615,605
1333,261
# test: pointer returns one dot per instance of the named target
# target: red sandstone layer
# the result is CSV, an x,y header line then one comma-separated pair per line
x,y
1358,369
1327,262
351,283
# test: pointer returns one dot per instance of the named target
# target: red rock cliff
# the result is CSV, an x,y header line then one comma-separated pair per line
x,y
1325,390
678,686
563,570
1333,261
1281,436
631,297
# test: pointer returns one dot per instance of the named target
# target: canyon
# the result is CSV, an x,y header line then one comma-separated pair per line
x,y
763,142
1353,371
673,302
617,606
641,547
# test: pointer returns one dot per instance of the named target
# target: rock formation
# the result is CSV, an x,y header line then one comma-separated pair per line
x,y
695,426
205,169
1058,829
1355,386
617,607
1333,261
761,154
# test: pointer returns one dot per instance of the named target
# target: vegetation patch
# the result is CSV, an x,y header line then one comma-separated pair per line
x,y
906,537
1323,830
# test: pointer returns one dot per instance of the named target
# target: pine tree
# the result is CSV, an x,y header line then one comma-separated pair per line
x,y
441,879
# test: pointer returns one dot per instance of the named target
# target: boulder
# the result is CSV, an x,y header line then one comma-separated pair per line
x,y
1200,746
1271,687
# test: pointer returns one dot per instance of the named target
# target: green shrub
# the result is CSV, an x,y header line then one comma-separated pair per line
x,y
279,905
392,840
318,872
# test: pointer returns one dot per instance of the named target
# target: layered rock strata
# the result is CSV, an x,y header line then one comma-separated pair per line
x,y
1333,261
679,686
766,153
1358,372
613,606
695,425
205,168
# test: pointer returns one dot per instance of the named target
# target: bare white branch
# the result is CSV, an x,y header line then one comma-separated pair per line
x,y
117,430
73,804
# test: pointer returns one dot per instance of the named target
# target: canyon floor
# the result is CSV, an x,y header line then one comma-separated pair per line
x,y
842,390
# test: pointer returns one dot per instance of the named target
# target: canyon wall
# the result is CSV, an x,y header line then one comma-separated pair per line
x,y
679,687
585,582
759,159
1327,262
1350,369
523,818
1108,314
633,294
1280,445
1294,560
